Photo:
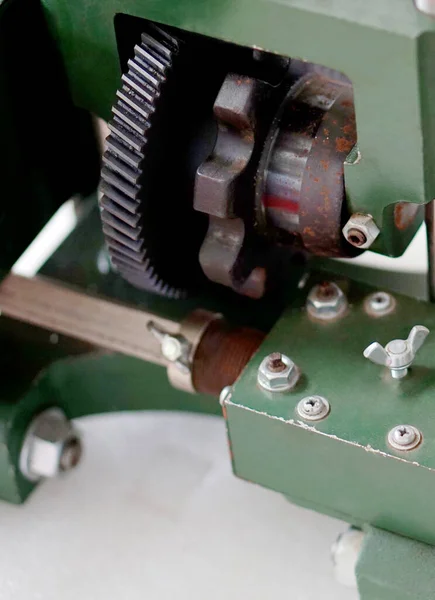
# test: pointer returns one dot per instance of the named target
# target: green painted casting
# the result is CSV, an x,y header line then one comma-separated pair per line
x,y
386,48
89,384
391,567
343,465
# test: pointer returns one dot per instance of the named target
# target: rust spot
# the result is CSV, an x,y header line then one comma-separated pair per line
x,y
309,231
347,104
347,129
325,164
405,214
316,179
343,145
326,131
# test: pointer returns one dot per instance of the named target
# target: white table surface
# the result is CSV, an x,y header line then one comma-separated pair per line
x,y
153,511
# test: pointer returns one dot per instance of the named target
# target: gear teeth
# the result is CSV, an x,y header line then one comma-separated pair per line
x,y
125,152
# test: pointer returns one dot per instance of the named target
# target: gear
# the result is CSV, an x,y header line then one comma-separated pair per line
x,y
150,159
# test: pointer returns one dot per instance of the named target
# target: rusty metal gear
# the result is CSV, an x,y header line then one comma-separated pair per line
x,y
233,252
275,177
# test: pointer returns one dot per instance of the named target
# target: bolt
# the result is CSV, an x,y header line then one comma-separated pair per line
x,y
277,373
71,454
175,348
326,301
275,363
313,408
356,237
398,355
361,230
171,348
404,437
51,445
379,304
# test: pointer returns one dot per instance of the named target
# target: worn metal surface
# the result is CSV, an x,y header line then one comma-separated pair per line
x,y
320,112
392,567
79,315
222,354
402,87
315,464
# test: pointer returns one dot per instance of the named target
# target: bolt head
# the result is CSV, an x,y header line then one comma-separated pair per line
x,y
172,348
313,408
326,301
404,437
51,445
361,230
281,380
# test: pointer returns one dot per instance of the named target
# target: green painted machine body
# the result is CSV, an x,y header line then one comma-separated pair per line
x,y
343,465
391,567
385,48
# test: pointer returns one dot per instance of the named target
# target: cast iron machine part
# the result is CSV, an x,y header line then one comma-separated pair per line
x,y
248,158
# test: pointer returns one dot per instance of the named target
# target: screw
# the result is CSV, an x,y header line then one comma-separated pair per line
x,y
277,373
398,355
379,304
175,348
404,437
313,408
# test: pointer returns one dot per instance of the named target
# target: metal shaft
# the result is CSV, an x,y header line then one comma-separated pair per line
x,y
102,323
430,228
218,353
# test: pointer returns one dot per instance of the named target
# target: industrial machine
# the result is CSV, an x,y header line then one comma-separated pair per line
x,y
251,143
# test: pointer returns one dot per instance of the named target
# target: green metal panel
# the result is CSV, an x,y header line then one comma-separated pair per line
x,y
386,48
343,465
93,383
391,567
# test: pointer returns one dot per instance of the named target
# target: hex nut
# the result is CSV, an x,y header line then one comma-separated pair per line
x,y
326,301
361,231
51,445
274,380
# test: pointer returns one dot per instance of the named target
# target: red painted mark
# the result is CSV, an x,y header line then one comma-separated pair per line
x,y
276,202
